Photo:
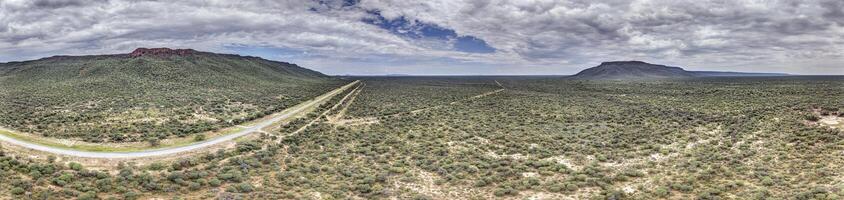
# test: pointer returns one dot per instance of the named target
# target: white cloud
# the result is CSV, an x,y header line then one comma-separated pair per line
x,y
533,36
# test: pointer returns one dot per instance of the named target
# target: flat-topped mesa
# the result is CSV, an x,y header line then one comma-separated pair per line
x,y
632,62
632,70
161,52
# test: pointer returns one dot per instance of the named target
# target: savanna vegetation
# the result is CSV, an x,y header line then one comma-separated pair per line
x,y
117,98
529,137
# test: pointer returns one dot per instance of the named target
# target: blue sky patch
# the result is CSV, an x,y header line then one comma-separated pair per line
x,y
414,30
472,45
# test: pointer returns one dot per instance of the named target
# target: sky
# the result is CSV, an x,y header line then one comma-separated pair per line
x,y
445,37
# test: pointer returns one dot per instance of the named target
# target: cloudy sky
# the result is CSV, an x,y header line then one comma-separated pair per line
x,y
438,37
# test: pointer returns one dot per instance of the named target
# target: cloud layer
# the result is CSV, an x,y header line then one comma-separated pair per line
x,y
445,36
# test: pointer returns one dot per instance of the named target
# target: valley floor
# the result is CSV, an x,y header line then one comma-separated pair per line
x,y
506,138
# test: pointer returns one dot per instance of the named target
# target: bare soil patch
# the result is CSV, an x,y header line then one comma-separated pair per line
x,y
832,121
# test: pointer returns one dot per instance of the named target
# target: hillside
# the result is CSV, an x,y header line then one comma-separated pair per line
x,y
620,70
638,70
148,93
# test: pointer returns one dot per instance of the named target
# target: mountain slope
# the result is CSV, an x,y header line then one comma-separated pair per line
x,y
149,93
638,70
620,70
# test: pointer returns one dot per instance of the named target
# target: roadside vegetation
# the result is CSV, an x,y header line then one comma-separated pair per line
x,y
541,137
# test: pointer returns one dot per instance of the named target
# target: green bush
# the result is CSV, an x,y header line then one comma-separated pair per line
x,y
214,182
75,166
811,117
767,181
661,191
17,191
199,137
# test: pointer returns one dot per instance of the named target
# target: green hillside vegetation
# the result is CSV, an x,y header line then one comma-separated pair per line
x,y
122,98
548,138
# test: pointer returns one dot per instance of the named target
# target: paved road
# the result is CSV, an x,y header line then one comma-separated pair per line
x,y
172,150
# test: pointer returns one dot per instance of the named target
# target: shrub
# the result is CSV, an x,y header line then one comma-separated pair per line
x,y
555,188
247,146
240,188
422,197
214,182
194,186
661,191
75,166
156,166
767,181
17,191
154,142
682,187
481,183
130,195
812,118
35,174
244,188
507,191
87,196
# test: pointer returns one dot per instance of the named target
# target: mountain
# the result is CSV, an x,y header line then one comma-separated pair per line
x,y
157,63
622,70
155,92
638,70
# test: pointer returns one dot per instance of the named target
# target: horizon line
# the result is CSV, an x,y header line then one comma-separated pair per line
x,y
389,74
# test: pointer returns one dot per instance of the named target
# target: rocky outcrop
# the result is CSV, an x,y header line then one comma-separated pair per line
x,y
161,52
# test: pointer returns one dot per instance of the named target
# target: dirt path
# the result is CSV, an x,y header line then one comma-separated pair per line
x,y
370,120
323,114
345,104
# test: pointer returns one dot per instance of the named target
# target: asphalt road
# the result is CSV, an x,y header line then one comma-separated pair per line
x,y
171,150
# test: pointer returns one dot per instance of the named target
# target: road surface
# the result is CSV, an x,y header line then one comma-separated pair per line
x,y
172,150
